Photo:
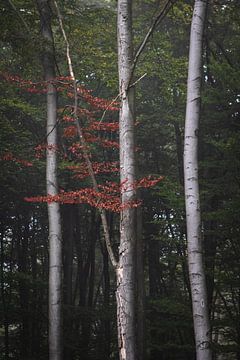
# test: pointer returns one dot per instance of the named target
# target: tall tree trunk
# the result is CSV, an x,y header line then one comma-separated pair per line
x,y
125,294
195,255
55,240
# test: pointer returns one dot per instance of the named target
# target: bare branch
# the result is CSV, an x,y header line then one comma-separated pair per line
x,y
112,102
158,18
139,79
19,15
115,99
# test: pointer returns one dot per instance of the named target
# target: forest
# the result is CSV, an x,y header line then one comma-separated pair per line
x,y
120,180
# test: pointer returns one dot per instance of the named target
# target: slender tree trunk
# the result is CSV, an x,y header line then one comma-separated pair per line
x,y
55,240
195,255
125,293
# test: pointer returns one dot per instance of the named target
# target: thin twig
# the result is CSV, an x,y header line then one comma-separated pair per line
x,y
115,99
139,79
112,102
83,142
163,12
19,15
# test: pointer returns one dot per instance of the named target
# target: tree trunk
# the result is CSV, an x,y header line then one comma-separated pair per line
x,y
125,293
55,240
195,256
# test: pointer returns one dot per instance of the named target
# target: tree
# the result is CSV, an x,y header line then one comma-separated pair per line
x,y
55,236
192,201
126,309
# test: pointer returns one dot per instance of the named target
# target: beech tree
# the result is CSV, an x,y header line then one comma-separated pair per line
x,y
194,237
126,306
54,219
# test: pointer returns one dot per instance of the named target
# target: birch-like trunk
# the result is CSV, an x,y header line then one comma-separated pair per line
x,y
55,237
126,301
193,218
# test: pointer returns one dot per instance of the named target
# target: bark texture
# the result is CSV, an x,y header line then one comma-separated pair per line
x,y
126,301
55,240
193,216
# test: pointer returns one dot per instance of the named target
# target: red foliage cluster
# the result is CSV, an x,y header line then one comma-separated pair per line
x,y
147,182
88,196
10,157
96,102
63,83
108,143
106,197
77,150
103,126
70,131
110,187
68,119
101,104
40,150
81,112
81,171
64,78
22,82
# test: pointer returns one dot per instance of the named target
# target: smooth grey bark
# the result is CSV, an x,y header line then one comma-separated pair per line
x,y
191,182
55,237
125,294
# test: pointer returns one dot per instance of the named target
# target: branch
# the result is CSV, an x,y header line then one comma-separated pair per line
x,y
19,15
139,79
115,99
158,18
83,142
112,102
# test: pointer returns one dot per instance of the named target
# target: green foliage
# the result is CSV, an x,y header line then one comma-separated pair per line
x,y
170,328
